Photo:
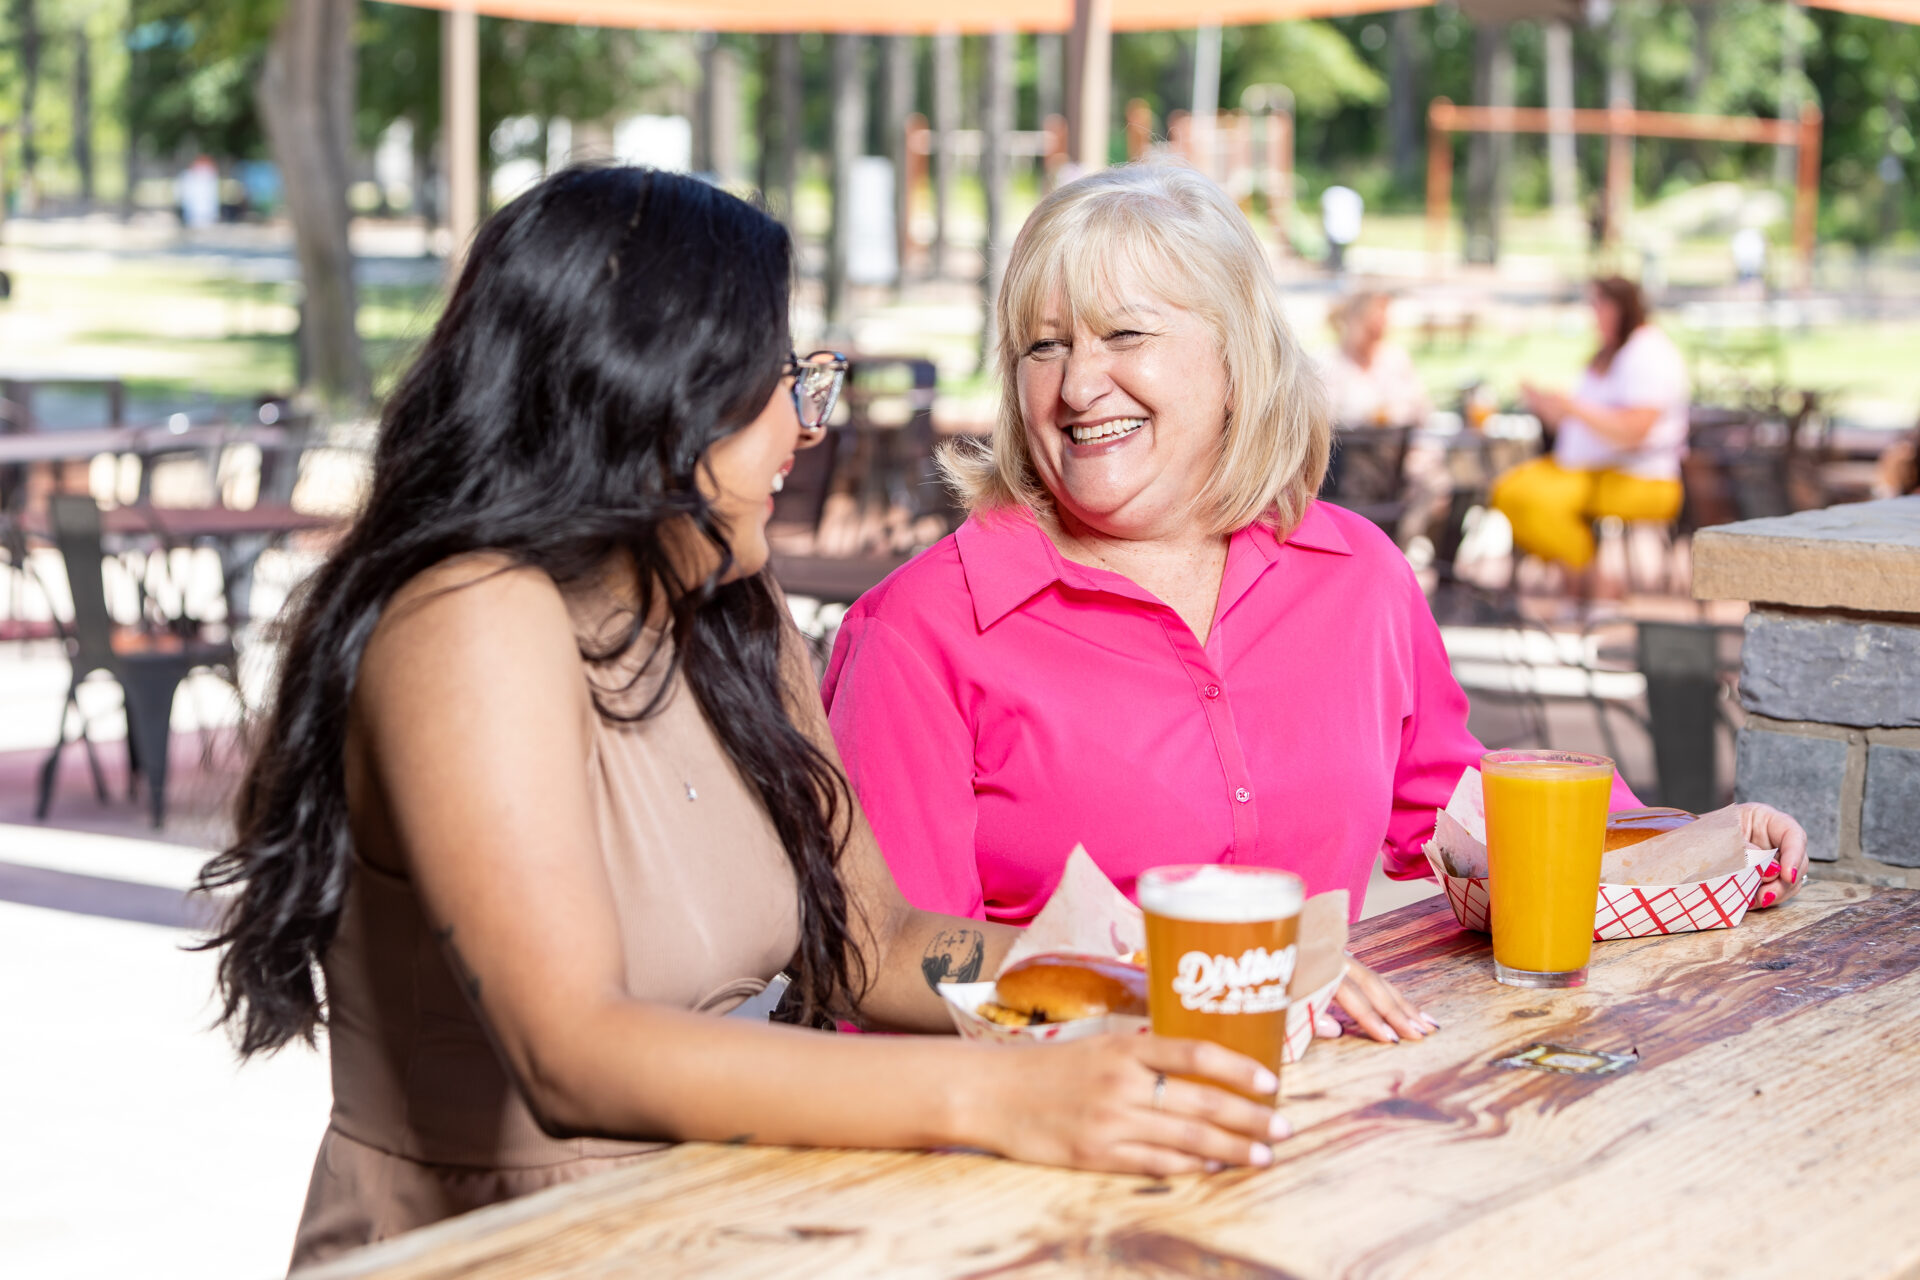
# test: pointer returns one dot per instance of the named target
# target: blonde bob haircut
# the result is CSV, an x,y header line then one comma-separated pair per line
x,y
1163,227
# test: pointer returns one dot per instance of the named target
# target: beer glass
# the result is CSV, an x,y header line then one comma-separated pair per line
x,y
1546,829
1221,946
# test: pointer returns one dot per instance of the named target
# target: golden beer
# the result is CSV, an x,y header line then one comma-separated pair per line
x,y
1221,947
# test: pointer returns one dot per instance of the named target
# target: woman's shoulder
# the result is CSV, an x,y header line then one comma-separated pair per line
x,y
1331,527
472,613
924,590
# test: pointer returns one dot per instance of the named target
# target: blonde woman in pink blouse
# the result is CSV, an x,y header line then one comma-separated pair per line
x,y
1148,638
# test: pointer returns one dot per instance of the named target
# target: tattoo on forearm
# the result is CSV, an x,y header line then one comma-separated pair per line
x,y
468,980
954,955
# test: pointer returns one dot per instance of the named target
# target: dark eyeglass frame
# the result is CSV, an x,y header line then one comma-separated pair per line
x,y
812,367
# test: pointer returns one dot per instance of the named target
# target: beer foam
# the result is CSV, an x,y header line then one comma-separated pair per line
x,y
1221,895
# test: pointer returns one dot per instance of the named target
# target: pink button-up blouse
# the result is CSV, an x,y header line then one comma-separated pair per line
x,y
997,704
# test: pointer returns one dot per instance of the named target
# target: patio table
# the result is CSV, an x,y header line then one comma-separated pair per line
x,y
78,446
1766,1130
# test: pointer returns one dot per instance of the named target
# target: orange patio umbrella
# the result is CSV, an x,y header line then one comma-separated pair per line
x,y
1892,10
907,17
1090,21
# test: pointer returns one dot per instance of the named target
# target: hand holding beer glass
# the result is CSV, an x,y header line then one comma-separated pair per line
x,y
1546,830
1221,946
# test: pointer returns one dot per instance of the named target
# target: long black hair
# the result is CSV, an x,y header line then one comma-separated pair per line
x,y
609,326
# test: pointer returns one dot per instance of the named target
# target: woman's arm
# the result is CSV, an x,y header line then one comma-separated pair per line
x,y
471,716
1624,428
912,757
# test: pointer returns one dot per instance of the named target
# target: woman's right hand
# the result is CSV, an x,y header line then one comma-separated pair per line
x,y
1090,1104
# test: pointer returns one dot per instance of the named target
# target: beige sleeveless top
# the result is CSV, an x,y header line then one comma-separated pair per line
x,y
708,912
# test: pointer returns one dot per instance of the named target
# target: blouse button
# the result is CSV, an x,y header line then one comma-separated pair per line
x,y
1243,795
1212,691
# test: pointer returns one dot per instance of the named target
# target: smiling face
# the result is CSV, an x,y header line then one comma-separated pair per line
x,y
745,469
1124,423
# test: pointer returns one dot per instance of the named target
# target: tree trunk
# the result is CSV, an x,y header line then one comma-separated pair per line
x,y
784,173
1563,172
900,95
706,103
946,119
849,133
26,29
1403,101
83,113
1487,154
1786,159
1619,93
1049,72
996,122
306,96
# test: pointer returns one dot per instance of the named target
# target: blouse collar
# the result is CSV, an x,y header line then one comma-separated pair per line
x,y
1008,559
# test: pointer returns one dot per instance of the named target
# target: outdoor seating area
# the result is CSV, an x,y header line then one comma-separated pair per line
x,y
721,638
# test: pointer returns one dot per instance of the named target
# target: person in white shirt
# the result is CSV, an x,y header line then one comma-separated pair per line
x,y
1370,381
1619,437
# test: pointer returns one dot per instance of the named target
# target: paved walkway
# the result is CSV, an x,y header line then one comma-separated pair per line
x,y
136,1146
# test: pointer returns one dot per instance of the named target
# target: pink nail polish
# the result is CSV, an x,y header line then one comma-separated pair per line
x,y
1768,900
1773,870
1793,876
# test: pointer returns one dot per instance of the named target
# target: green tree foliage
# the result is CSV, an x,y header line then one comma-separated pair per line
x,y
190,73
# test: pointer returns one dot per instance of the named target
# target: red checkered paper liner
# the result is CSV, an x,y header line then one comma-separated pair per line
x,y
1630,910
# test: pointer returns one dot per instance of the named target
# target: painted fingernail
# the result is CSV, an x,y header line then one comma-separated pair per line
x,y
1793,876
1278,1128
1261,1156
1213,1166
1266,1082
1393,1036
1431,1020
1768,900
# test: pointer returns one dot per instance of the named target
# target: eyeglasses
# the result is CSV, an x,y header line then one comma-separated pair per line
x,y
817,380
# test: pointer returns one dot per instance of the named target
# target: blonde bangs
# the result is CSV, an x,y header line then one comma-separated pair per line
x,y
1081,252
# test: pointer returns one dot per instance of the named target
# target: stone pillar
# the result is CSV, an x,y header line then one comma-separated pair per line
x,y
1830,677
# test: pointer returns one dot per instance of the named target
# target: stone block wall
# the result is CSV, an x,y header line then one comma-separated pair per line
x,y
1830,678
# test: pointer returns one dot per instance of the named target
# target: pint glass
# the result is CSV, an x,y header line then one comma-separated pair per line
x,y
1221,946
1546,829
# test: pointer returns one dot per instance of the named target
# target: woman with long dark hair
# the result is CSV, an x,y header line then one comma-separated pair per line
x,y
546,782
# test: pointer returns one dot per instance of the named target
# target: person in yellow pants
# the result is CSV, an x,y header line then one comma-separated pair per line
x,y
1552,508
1618,443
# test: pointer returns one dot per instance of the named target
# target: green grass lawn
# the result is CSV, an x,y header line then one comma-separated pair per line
x,y
176,325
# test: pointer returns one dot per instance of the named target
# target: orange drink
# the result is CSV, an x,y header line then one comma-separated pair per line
x,y
1546,828
1221,946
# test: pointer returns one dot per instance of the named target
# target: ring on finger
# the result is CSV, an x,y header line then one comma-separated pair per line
x,y
1159,1090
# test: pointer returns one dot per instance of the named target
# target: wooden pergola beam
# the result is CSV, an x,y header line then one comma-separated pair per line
x,y
1618,123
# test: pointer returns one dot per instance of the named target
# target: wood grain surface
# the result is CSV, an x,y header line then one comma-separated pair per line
x,y
1767,1130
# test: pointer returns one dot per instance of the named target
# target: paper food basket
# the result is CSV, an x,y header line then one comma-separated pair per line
x,y
1722,873
1088,915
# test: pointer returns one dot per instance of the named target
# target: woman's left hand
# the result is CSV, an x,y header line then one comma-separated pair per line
x,y
1375,1007
1768,828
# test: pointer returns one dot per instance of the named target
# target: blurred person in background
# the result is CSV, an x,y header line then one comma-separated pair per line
x,y
1370,381
1618,439
546,785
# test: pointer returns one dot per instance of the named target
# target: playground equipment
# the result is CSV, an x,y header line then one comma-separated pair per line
x,y
1619,123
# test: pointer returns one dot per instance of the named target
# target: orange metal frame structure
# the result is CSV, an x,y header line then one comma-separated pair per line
x,y
1444,119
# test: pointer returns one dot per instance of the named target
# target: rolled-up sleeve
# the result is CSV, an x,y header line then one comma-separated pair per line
x,y
908,751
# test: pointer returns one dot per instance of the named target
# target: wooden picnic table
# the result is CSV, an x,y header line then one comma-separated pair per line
x,y
1767,1130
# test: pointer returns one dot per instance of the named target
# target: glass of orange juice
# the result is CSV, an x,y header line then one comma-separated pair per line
x,y
1546,828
